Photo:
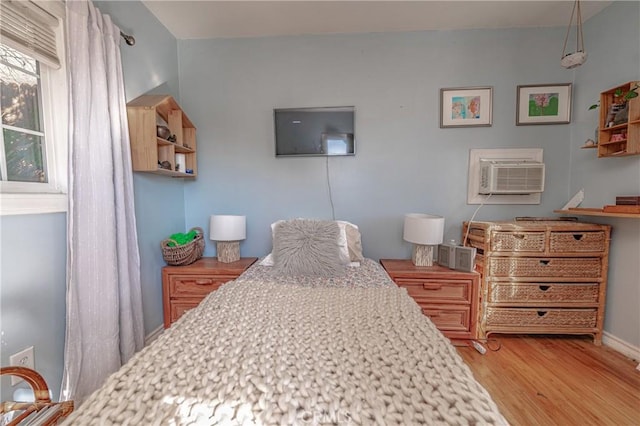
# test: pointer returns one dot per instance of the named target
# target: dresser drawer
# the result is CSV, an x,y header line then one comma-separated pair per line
x,y
511,241
449,317
180,307
184,287
563,242
196,285
434,291
527,318
569,293
545,267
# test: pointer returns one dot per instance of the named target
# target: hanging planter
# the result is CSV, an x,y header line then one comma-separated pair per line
x,y
579,57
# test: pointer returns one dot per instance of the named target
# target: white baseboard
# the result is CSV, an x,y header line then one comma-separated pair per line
x,y
153,335
621,346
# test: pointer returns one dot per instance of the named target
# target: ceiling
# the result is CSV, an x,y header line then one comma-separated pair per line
x,y
239,18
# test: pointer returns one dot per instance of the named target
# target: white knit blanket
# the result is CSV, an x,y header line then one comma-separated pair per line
x,y
263,352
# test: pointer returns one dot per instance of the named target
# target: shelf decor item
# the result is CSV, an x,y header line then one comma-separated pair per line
x,y
543,104
466,107
228,231
425,231
177,254
579,57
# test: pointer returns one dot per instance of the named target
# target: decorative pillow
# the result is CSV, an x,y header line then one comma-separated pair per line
x,y
307,247
350,242
268,261
342,241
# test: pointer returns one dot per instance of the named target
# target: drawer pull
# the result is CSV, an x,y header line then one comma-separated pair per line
x,y
203,282
432,287
544,287
544,262
519,236
542,313
578,237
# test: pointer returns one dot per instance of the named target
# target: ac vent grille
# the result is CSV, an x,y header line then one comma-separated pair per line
x,y
499,177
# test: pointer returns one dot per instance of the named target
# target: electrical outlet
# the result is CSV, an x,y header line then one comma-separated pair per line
x,y
24,358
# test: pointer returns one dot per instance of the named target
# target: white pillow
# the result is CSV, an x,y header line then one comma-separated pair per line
x,y
354,240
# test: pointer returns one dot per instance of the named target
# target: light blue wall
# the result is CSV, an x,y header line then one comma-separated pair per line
x,y
613,59
404,162
33,253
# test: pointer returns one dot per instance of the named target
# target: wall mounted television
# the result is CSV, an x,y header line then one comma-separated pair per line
x,y
324,131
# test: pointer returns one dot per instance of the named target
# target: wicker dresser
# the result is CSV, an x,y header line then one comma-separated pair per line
x,y
541,276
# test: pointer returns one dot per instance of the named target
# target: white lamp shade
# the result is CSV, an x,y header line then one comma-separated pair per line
x,y
423,229
227,228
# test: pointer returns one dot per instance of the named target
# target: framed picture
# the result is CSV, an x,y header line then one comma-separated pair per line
x,y
544,104
466,106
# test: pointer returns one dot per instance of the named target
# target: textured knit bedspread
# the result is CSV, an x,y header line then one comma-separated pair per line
x,y
264,350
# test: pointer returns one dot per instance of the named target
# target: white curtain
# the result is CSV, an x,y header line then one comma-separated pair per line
x,y
104,307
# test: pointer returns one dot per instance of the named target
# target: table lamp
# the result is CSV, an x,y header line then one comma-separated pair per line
x,y
227,231
425,231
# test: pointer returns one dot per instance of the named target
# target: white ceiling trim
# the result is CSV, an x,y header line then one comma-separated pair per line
x,y
239,18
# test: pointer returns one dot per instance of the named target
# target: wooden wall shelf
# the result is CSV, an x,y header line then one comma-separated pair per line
x,y
619,139
147,149
582,211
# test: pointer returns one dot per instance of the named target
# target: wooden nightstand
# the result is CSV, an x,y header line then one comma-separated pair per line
x,y
184,287
448,297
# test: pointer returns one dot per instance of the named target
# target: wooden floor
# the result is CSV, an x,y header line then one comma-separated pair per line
x,y
558,380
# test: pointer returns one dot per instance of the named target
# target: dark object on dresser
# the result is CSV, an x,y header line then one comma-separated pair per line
x,y
628,200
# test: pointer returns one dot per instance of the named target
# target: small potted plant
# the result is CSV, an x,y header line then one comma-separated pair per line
x,y
618,112
620,97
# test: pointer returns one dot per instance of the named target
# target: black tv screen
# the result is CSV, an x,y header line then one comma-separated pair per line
x,y
314,131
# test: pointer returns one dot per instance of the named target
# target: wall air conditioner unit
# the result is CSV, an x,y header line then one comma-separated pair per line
x,y
511,176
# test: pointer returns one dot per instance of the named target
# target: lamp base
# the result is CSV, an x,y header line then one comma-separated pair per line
x,y
228,251
422,255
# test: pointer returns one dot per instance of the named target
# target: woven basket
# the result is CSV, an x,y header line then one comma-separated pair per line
x,y
185,254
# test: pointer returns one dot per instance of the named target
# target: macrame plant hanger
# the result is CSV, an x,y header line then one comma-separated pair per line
x,y
579,57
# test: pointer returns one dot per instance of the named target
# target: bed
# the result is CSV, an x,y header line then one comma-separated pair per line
x,y
279,347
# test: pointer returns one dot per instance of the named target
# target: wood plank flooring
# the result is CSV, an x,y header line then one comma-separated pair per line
x,y
558,380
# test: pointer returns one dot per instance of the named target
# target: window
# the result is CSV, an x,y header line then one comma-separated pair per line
x,y
33,141
22,151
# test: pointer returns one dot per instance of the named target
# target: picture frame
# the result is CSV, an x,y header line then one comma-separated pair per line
x,y
466,107
543,104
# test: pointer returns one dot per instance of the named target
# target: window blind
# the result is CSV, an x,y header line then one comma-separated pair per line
x,y
30,29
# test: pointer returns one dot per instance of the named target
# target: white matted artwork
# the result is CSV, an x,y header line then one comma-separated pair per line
x,y
466,107
543,104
